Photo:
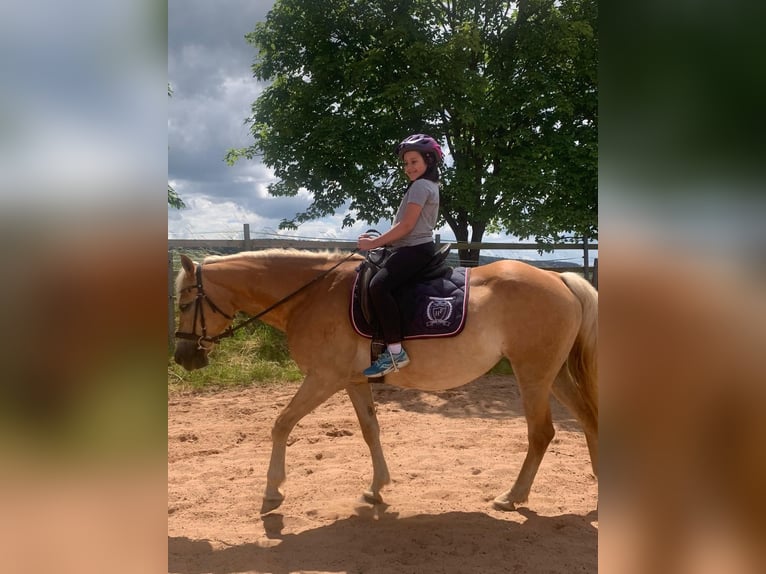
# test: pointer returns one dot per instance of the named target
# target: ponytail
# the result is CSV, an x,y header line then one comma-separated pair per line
x,y
432,167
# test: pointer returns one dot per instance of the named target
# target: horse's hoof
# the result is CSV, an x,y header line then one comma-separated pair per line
x,y
270,504
371,498
501,503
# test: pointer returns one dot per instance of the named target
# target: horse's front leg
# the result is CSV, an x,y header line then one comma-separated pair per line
x,y
310,395
361,398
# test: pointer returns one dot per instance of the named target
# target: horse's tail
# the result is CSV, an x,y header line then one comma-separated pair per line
x,y
582,362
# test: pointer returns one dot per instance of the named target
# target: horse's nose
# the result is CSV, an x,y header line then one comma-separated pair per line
x,y
180,355
189,356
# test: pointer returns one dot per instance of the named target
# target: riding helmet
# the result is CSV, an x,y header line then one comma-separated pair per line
x,y
423,143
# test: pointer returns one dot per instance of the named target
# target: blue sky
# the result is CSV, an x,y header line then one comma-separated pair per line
x,y
209,69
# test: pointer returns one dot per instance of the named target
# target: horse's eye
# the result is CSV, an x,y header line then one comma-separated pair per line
x,y
184,307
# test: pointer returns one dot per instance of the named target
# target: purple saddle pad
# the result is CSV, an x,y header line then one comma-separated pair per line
x,y
434,308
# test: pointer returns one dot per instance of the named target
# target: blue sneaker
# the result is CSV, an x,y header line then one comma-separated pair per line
x,y
386,363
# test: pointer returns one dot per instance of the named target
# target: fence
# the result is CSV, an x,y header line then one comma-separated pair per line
x,y
249,244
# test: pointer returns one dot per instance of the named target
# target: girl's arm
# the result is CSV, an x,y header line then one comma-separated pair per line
x,y
399,230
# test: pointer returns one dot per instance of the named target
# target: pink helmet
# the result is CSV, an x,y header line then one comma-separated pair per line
x,y
422,143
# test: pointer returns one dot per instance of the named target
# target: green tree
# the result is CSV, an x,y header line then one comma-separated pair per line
x,y
509,88
174,200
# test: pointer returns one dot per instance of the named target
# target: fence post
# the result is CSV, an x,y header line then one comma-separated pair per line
x,y
585,257
594,282
437,240
171,302
246,232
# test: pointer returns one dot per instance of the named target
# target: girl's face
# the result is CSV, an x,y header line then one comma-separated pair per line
x,y
414,165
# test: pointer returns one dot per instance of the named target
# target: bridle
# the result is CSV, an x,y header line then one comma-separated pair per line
x,y
199,310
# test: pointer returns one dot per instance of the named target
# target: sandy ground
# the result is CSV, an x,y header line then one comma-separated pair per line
x,y
449,453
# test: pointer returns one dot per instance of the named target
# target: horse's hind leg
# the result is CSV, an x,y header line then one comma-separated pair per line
x,y
566,391
310,395
540,431
361,398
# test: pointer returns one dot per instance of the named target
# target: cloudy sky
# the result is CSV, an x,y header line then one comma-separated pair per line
x,y
209,70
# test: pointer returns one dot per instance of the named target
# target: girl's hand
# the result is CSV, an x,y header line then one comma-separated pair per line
x,y
365,242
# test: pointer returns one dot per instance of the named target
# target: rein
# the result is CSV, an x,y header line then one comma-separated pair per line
x,y
198,310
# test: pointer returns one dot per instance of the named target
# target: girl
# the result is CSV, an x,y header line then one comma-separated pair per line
x,y
411,240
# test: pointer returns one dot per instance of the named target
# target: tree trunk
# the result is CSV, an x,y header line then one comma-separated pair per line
x,y
459,224
470,257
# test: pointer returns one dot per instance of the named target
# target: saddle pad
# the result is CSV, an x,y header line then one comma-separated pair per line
x,y
435,308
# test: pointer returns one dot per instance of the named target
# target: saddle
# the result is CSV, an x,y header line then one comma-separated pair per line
x,y
434,304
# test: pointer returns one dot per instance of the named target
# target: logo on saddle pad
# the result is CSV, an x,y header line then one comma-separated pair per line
x,y
439,311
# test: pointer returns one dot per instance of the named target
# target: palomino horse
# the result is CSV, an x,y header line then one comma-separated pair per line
x,y
545,323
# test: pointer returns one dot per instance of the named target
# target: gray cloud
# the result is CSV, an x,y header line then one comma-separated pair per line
x,y
209,69
206,41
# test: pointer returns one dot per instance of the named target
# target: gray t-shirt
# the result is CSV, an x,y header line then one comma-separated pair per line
x,y
422,192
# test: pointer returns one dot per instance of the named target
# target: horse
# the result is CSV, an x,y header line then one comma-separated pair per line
x,y
543,322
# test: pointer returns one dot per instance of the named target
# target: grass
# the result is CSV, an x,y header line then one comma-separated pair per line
x,y
255,355
502,368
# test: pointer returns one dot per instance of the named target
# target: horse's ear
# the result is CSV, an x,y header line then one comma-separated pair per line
x,y
188,264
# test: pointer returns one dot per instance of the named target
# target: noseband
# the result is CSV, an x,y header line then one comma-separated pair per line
x,y
200,311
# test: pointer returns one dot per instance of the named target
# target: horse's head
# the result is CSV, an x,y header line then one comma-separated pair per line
x,y
200,321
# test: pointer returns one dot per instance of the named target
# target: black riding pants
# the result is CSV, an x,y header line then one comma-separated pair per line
x,y
400,268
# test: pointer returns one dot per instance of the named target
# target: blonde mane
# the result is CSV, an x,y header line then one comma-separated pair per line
x,y
279,253
274,253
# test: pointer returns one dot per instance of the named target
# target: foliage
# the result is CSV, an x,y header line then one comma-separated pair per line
x,y
174,200
509,88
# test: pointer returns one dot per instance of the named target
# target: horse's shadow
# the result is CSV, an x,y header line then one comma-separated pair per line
x,y
494,398
377,541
